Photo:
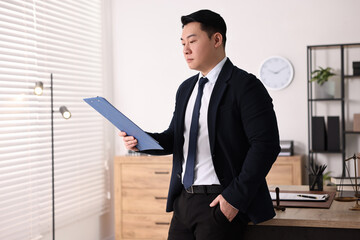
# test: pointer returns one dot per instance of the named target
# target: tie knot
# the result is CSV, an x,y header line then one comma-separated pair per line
x,y
202,82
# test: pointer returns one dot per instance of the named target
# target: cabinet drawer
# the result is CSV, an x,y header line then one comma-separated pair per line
x,y
146,226
144,200
286,171
145,176
280,175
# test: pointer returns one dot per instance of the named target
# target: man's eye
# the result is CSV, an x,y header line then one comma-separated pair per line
x,y
192,41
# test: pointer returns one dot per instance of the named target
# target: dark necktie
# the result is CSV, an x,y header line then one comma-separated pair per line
x,y
194,129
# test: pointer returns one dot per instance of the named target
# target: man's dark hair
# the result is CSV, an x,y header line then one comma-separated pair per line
x,y
210,22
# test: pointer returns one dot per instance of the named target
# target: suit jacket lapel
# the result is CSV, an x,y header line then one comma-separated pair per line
x,y
218,91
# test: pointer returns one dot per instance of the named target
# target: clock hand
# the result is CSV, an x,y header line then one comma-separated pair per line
x,y
276,72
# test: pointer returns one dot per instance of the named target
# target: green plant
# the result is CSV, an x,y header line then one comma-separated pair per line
x,y
327,179
321,75
326,176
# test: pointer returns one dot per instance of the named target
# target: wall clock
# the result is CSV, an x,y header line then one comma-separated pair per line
x,y
276,73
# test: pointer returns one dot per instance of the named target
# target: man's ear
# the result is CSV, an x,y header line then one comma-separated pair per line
x,y
218,39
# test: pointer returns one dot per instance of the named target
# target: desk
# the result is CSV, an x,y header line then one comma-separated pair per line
x,y
308,223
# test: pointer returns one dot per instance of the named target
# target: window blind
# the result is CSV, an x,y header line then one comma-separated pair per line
x,y
37,38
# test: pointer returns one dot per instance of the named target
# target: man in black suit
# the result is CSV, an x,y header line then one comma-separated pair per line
x,y
223,137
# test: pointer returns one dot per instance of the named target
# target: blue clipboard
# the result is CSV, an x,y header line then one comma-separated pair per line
x,y
119,120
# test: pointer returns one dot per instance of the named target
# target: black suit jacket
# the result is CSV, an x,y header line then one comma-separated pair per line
x,y
243,135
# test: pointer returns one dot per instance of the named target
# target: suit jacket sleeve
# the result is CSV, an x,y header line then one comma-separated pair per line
x,y
260,127
165,139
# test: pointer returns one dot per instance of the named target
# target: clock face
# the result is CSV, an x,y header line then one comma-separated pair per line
x,y
276,73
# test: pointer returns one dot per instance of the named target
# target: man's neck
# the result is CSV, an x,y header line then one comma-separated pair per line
x,y
216,61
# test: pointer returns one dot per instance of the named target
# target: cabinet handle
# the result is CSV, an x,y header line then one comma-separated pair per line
x,y
160,198
162,223
159,172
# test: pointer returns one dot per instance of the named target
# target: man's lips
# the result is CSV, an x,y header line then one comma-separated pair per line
x,y
189,60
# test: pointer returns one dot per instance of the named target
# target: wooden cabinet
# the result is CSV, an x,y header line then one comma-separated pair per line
x,y
141,186
286,171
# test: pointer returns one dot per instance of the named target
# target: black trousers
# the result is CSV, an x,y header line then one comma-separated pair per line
x,y
194,219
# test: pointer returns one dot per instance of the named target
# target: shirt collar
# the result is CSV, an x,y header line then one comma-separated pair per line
x,y
214,73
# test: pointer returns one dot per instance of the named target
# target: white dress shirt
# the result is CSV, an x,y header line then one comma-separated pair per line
x,y
204,168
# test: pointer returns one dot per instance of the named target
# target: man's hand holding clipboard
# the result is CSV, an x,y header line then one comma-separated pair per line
x,y
137,138
129,141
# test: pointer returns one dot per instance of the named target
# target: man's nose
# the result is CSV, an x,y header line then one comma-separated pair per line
x,y
186,49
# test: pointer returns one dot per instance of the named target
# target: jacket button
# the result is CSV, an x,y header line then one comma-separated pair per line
x,y
178,175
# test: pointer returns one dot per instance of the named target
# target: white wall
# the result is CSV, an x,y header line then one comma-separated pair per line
x,y
149,66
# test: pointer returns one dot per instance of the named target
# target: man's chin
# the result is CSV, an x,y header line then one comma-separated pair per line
x,y
192,66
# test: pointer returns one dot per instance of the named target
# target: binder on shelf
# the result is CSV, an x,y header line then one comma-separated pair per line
x,y
356,68
287,148
333,133
318,134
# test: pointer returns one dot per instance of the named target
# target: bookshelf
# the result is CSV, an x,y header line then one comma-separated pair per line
x,y
341,101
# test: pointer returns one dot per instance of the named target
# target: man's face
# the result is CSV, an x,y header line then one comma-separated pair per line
x,y
198,47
